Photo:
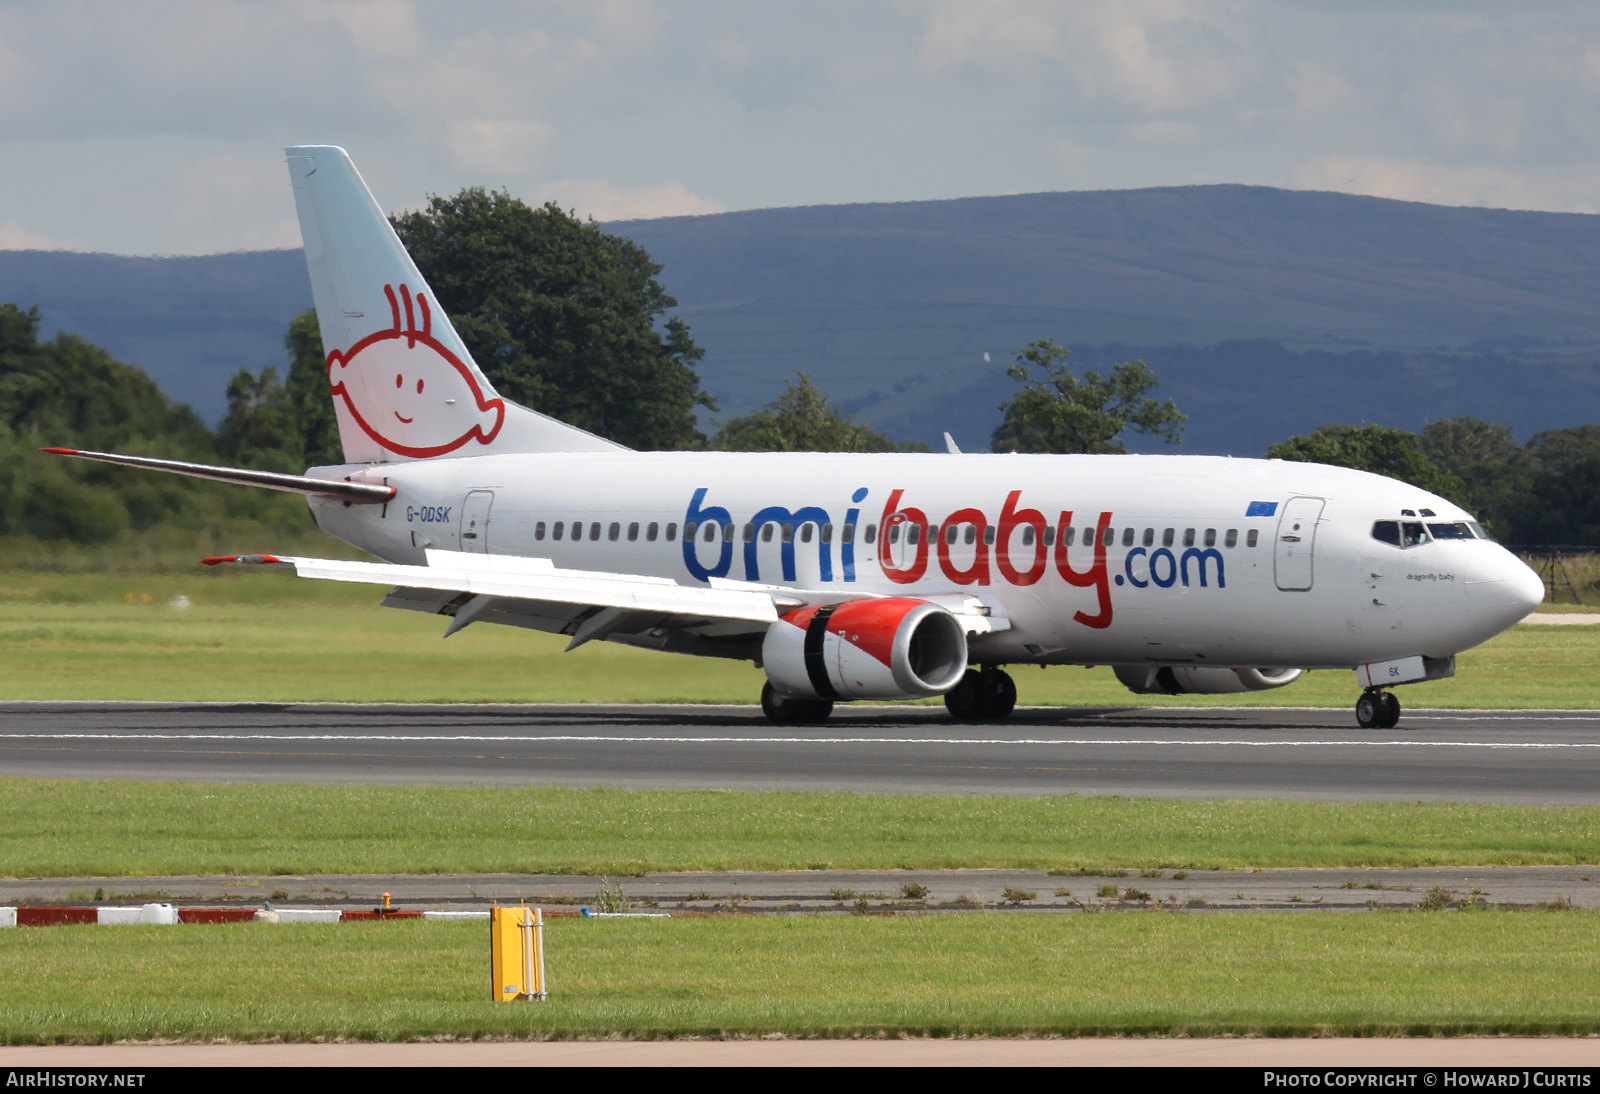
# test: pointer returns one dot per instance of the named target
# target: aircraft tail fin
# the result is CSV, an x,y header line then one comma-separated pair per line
x,y
402,381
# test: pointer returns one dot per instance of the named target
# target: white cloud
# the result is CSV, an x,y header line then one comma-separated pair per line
x,y
226,203
603,200
1414,179
19,237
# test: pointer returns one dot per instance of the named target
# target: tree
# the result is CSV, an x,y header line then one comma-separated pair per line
x,y
1059,412
1383,451
561,316
1495,471
1561,504
284,427
800,420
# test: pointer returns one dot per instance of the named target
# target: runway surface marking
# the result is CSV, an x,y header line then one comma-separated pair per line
x,y
608,739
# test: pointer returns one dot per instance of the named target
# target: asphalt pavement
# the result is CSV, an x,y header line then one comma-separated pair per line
x,y
1531,757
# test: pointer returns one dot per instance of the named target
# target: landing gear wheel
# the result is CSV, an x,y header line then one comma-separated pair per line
x,y
1390,715
787,711
1369,710
982,696
999,693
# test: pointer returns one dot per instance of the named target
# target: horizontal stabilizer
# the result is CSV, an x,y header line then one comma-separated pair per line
x,y
369,492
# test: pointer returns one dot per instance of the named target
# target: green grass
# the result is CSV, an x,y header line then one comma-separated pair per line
x,y
1413,973
89,828
271,637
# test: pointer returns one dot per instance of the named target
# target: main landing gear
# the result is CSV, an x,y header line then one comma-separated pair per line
x,y
986,696
1377,709
786,711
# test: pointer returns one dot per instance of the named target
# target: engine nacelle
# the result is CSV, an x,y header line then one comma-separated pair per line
x,y
1202,680
893,648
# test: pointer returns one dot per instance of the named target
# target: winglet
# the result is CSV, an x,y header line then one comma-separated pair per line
x,y
950,445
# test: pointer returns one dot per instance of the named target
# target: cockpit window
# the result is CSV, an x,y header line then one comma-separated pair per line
x,y
1387,531
1477,529
1412,533
1455,530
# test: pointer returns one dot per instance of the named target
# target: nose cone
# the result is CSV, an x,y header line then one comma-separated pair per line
x,y
1504,592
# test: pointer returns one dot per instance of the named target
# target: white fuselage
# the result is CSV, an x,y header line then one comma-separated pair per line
x,y
1202,561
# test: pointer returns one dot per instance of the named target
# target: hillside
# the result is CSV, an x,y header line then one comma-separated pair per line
x,y
1265,312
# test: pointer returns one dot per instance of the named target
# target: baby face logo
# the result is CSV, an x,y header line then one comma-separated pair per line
x,y
408,392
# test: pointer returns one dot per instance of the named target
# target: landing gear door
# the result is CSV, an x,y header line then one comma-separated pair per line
x,y
475,521
1297,539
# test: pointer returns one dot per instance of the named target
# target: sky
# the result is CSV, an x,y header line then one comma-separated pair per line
x,y
142,127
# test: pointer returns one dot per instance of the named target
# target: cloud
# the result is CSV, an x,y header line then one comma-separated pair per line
x,y
1415,179
605,201
19,237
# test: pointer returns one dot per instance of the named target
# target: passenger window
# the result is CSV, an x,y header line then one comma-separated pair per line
x,y
805,532
1068,536
1127,537
766,532
1454,530
1166,537
708,533
727,532
1211,537
1049,534
988,535
749,533
827,533
1251,537
1232,538
1149,537
950,533
1027,535
1106,540
651,532
1387,531
971,535
538,530
894,533
594,530
689,529
847,534
672,531
1411,534
614,531
914,534
1188,537
872,533
555,531
633,531
788,533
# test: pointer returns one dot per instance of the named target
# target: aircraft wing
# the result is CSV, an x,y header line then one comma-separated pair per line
x,y
532,592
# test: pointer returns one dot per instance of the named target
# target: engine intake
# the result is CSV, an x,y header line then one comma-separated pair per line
x,y
891,648
1206,680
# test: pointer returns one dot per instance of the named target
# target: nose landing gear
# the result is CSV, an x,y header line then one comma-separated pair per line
x,y
1377,709
986,696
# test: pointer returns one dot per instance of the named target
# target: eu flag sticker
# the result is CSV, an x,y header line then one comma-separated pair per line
x,y
1262,509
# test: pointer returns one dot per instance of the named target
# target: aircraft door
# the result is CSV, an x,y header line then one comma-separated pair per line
x,y
1297,538
475,521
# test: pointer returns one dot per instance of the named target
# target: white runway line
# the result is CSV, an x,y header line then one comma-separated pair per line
x,y
608,739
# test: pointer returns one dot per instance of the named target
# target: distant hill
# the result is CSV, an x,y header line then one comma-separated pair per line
x,y
191,323
1265,312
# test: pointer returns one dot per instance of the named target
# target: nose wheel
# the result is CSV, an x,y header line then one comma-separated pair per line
x,y
1377,710
986,696
787,711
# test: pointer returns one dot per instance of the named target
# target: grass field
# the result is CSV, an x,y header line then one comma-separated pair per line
x,y
77,828
1406,973
269,636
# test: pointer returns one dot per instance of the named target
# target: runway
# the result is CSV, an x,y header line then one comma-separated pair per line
x,y
1528,757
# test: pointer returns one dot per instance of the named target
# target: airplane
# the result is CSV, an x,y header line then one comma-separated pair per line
x,y
883,576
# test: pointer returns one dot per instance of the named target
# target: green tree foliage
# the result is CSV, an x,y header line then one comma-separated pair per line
x,y
1495,471
1060,412
279,426
1562,502
1383,451
561,316
801,420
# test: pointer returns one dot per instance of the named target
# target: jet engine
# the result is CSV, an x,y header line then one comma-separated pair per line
x,y
1181,679
891,648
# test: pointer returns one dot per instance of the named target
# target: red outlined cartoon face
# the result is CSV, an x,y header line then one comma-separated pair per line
x,y
410,393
